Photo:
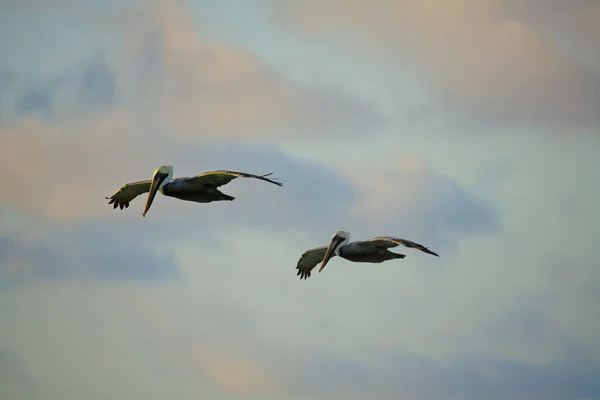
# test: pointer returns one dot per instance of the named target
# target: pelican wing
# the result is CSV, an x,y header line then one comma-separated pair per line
x,y
387,242
222,177
309,260
128,192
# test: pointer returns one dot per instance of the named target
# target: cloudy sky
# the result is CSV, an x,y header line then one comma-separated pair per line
x,y
471,126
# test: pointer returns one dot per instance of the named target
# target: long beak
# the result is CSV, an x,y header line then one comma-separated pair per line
x,y
335,242
156,181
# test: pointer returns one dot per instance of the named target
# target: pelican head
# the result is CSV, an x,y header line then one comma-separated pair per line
x,y
162,176
340,239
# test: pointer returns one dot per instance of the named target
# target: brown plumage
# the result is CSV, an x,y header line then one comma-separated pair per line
x,y
201,188
370,251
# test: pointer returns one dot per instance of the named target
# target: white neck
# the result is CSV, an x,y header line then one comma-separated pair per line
x,y
167,179
342,244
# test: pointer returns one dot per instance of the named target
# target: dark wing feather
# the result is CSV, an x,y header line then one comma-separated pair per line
x,y
223,177
309,260
128,192
387,242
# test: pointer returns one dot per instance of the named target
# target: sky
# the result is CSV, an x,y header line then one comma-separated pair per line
x,y
470,126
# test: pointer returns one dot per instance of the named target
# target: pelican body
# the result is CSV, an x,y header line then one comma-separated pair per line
x,y
370,251
200,188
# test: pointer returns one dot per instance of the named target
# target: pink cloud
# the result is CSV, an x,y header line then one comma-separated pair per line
x,y
199,89
173,90
233,374
55,169
482,57
230,371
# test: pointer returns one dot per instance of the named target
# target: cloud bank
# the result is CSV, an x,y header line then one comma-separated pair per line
x,y
485,61
203,300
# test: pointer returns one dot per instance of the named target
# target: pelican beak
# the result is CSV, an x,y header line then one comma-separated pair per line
x,y
159,177
335,242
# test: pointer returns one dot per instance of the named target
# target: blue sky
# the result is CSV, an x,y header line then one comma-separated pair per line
x,y
470,126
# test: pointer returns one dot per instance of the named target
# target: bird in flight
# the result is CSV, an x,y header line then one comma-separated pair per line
x,y
202,188
370,251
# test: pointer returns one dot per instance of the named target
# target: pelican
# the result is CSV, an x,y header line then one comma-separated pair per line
x,y
201,188
371,251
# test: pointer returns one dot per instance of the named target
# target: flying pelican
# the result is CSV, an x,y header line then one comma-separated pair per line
x,y
201,188
371,251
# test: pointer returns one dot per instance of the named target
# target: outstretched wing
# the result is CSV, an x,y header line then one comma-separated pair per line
x,y
309,260
387,242
222,177
128,192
